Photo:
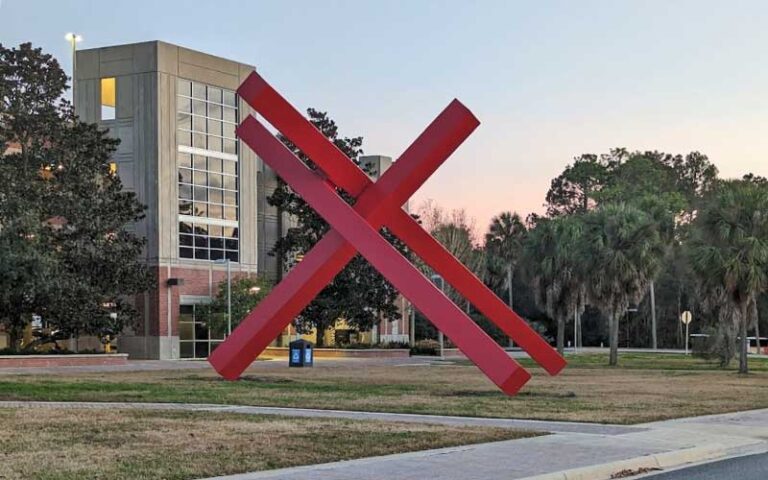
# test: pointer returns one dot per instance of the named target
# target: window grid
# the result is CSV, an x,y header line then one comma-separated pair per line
x,y
208,187
203,241
207,117
208,184
196,340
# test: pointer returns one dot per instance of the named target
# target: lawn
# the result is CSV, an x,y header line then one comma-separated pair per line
x,y
645,387
51,444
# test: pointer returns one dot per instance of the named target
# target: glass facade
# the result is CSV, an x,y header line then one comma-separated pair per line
x,y
208,173
196,339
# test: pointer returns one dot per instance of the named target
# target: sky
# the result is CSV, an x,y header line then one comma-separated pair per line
x,y
548,80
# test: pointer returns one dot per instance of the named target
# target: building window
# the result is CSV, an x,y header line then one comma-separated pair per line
x,y
108,97
196,339
206,117
204,241
208,173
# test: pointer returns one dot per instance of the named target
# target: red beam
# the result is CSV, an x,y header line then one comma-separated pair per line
x,y
468,336
332,253
334,163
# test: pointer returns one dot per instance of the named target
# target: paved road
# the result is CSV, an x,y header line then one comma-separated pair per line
x,y
752,467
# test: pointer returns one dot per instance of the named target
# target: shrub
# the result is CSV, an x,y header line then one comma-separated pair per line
x,y
426,347
395,345
366,346
10,351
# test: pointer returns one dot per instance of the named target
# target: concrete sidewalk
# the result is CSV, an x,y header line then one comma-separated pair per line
x,y
573,451
536,425
565,456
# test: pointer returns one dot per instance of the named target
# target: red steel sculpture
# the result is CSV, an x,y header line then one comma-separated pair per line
x,y
355,229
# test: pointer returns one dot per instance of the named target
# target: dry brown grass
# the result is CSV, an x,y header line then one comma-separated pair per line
x,y
645,390
48,444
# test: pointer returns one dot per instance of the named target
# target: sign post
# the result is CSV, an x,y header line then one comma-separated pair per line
x,y
686,318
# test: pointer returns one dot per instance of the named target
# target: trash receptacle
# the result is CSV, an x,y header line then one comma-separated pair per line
x,y
301,353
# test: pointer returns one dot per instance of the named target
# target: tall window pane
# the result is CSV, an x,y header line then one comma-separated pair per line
x,y
207,172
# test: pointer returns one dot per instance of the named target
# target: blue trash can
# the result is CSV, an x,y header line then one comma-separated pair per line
x,y
300,353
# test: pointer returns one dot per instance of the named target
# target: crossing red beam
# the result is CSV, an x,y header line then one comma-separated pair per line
x,y
332,253
377,204
507,374
341,171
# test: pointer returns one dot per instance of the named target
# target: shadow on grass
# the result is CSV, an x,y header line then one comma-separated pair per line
x,y
495,394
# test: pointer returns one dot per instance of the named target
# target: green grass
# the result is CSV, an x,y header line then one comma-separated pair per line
x,y
655,361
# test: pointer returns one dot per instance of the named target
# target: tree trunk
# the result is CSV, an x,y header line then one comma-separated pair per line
x,y
511,300
756,317
654,343
580,336
510,281
15,336
613,332
744,343
560,335
319,338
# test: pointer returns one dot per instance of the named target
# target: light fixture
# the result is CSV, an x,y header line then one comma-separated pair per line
x,y
73,37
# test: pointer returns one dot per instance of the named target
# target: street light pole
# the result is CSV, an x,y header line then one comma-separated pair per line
x,y
229,298
229,293
412,325
440,337
73,40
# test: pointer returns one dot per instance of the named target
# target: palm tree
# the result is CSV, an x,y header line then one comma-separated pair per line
x,y
553,264
622,250
729,251
504,246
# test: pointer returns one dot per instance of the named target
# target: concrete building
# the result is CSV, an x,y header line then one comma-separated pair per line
x,y
175,112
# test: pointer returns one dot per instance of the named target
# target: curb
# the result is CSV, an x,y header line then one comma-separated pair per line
x,y
660,461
